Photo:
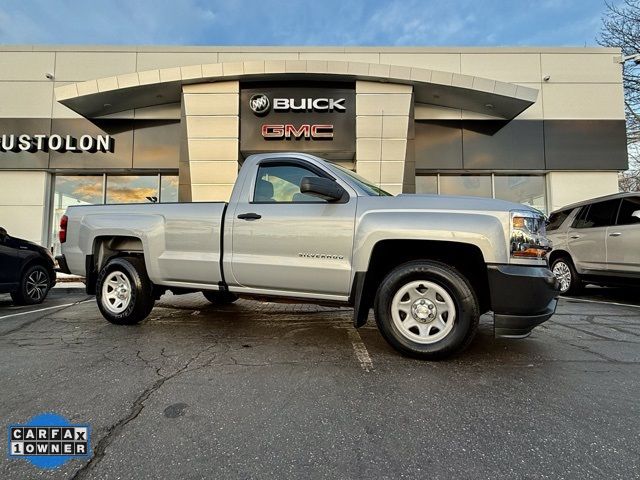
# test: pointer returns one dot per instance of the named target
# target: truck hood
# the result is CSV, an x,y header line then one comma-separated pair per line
x,y
451,202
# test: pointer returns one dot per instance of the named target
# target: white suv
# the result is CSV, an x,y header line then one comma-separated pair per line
x,y
596,241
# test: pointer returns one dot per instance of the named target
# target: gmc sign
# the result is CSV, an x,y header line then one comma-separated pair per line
x,y
289,131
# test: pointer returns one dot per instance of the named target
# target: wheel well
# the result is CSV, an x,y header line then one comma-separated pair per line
x,y
37,261
465,258
557,254
106,248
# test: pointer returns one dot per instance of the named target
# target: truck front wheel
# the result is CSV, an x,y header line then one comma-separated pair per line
x,y
124,292
427,310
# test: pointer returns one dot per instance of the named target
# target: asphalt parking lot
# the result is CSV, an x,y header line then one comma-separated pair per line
x,y
258,390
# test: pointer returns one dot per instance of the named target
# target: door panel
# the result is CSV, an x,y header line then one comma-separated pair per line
x,y
8,263
298,243
623,239
587,248
587,238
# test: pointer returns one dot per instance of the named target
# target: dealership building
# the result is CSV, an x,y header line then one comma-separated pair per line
x,y
114,124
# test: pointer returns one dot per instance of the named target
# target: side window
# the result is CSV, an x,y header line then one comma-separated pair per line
x,y
556,219
579,220
628,208
281,184
601,214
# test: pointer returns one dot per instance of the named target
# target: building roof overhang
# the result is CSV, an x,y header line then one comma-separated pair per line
x,y
104,96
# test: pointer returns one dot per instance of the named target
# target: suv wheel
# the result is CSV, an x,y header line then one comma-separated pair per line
x,y
219,298
124,292
565,272
426,310
34,286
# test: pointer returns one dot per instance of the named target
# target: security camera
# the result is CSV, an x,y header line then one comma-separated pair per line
x,y
49,76
546,78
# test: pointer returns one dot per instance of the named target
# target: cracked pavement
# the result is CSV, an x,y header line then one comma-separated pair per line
x,y
260,390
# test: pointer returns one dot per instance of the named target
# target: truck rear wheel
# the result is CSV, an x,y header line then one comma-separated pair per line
x,y
219,298
427,310
124,292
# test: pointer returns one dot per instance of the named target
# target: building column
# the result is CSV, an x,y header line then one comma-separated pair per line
x,y
24,205
384,135
210,147
565,188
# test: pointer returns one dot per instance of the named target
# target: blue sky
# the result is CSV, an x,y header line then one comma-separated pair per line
x,y
324,22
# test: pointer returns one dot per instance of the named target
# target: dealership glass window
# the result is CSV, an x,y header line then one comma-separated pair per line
x,y
132,189
169,188
427,184
474,185
73,190
526,189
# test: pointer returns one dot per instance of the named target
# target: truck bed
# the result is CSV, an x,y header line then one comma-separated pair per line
x,y
180,241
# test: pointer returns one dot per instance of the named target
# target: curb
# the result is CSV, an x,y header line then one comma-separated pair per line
x,y
68,289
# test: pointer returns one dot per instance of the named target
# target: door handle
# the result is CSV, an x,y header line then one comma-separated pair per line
x,y
615,234
249,216
574,236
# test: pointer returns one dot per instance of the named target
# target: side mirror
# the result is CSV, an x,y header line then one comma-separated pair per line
x,y
636,214
323,188
3,234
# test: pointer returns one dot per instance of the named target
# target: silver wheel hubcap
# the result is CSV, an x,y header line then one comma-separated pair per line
x,y
116,292
37,285
423,312
563,274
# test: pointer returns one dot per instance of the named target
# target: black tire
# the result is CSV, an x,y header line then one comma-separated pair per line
x,y
34,286
460,294
141,299
576,284
219,298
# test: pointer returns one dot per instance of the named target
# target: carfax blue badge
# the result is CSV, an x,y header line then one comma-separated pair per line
x,y
49,440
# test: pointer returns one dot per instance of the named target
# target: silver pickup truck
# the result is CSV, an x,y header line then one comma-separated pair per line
x,y
298,227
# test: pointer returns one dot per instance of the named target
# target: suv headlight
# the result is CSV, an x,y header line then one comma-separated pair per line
x,y
528,235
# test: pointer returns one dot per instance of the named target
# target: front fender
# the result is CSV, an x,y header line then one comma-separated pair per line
x,y
485,231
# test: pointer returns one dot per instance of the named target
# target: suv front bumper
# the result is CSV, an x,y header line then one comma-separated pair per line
x,y
522,297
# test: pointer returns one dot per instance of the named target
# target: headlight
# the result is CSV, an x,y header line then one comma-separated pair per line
x,y
528,235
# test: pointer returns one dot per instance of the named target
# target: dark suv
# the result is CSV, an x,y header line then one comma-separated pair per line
x,y
26,270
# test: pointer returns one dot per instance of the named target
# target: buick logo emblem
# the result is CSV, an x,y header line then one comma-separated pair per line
x,y
259,103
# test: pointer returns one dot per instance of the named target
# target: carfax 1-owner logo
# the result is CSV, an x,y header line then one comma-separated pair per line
x,y
49,440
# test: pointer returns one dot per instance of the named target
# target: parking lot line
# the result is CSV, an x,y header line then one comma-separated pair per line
x,y
600,301
360,349
44,309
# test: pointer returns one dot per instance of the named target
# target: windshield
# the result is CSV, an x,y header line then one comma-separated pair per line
x,y
369,188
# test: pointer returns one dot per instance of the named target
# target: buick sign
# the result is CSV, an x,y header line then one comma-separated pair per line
x,y
309,104
259,103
